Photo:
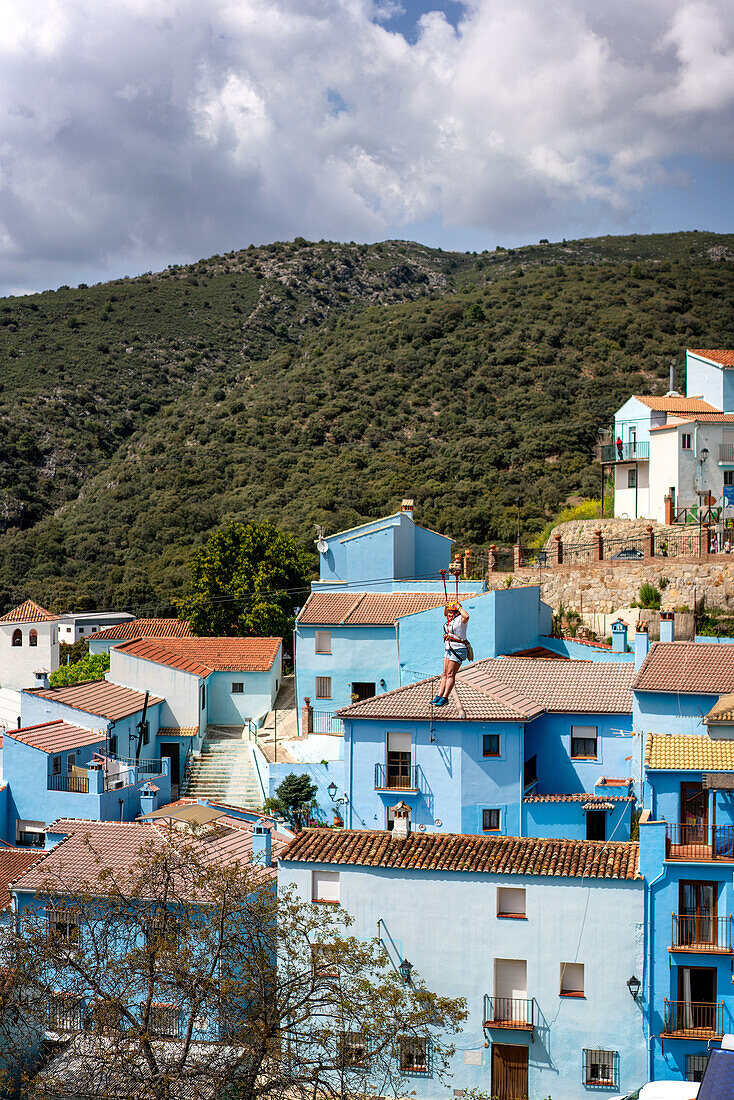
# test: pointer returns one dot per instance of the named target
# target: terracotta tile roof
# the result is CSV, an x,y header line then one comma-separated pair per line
x,y
90,847
723,711
144,628
14,862
98,697
365,608
677,404
723,358
688,752
583,797
178,731
202,656
709,418
56,736
585,641
506,855
605,781
29,612
690,667
539,652
510,690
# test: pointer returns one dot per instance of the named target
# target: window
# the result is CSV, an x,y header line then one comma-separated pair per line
x,y
695,1066
490,821
728,480
511,901
413,1054
81,629
399,761
353,1049
17,638
238,688
64,1012
70,762
113,744
322,641
33,638
63,925
491,744
53,637
164,1021
323,687
30,834
203,696
685,441
583,742
596,825
600,1068
56,765
324,962
325,887
632,479
572,979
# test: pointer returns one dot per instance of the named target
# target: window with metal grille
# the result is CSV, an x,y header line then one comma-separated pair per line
x,y
601,1068
695,1066
164,1021
685,441
413,1054
353,1049
238,688
63,925
631,479
583,742
323,687
491,744
490,821
63,1012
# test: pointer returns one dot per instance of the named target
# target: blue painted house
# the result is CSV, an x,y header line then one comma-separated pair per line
x,y
519,927
513,728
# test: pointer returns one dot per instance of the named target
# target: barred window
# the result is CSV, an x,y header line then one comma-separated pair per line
x,y
323,687
601,1068
695,1066
353,1049
413,1054
63,1012
63,924
164,1021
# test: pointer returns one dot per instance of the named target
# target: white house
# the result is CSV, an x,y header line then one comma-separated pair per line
x,y
669,452
29,646
80,624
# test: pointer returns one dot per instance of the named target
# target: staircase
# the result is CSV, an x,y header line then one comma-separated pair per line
x,y
224,772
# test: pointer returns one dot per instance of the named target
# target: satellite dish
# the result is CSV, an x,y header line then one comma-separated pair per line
x,y
322,546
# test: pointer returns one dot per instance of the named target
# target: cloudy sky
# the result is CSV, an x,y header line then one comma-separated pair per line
x,y
137,133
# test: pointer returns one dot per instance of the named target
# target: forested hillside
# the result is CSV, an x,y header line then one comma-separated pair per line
x,y
319,383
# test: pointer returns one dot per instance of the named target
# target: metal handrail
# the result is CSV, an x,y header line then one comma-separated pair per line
x,y
72,784
696,1019
513,1012
699,841
698,932
625,452
325,721
396,778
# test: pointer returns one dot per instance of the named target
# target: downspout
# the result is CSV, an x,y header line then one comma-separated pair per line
x,y
649,964
397,650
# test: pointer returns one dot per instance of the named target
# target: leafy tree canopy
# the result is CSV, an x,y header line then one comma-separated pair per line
x,y
91,667
293,800
247,580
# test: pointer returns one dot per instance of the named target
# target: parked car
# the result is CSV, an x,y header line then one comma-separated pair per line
x,y
662,1090
630,553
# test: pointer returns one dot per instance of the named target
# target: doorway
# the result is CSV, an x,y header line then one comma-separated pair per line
x,y
693,813
697,922
169,750
596,825
697,999
362,690
509,1072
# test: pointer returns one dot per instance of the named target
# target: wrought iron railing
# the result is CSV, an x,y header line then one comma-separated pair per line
x,y
63,1013
694,1019
513,1012
325,721
697,932
74,784
625,452
691,841
396,778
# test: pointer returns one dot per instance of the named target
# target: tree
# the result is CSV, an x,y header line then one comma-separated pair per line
x,y
181,977
91,667
294,799
247,580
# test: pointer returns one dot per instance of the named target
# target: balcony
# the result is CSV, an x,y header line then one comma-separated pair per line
x,y
72,784
701,934
398,778
63,1013
726,454
699,843
693,1020
518,1013
625,452
116,772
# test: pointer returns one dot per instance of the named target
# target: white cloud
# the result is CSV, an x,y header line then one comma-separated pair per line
x,y
144,131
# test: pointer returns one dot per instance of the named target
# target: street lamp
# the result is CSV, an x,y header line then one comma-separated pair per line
x,y
633,984
406,969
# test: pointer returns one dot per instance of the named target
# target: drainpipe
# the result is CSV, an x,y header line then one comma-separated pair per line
x,y
649,964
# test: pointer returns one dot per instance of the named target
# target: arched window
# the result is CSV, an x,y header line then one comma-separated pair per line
x,y
17,638
33,638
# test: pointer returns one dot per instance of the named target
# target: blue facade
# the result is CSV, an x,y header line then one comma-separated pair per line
x,y
548,739
384,550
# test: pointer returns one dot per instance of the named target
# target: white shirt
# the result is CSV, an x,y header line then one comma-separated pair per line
x,y
458,628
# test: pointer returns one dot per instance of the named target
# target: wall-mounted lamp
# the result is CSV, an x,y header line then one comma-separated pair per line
x,y
383,685
704,453
406,969
633,984
331,791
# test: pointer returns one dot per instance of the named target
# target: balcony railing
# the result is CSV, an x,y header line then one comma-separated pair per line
x,y
396,778
694,1019
63,1013
693,932
519,1013
699,842
145,767
625,452
74,784
726,452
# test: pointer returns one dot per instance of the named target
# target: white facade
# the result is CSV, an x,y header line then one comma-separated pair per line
x,y
28,648
81,624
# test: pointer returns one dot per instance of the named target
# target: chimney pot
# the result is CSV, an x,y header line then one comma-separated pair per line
x,y
407,505
401,822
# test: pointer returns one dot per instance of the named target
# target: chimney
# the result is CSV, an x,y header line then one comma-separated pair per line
x,y
672,376
262,845
148,799
667,626
619,636
407,506
642,643
41,678
401,823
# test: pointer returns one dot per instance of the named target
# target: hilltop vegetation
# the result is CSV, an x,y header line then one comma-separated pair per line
x,y
319,383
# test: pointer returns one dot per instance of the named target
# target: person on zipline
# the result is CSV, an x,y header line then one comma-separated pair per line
x,y
455,650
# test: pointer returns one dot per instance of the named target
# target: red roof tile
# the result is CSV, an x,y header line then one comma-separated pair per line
x,y
690,667
145,628
723,358
579,798
507,855
466,703
98,697
540,653
56,736
28,612
365,608
14,862
677,404
202,656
